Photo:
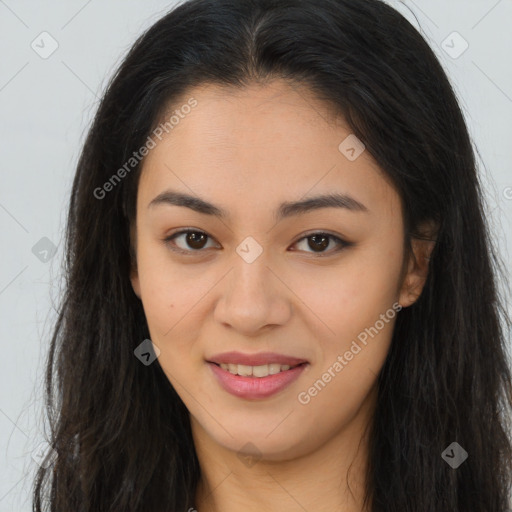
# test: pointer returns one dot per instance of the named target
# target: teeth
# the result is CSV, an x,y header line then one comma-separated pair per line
x,y
274,368
244,371
255,371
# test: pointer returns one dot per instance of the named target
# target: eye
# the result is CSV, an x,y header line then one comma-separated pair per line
x,y
195,240
319,241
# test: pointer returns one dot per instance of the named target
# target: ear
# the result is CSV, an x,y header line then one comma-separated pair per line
x,y
134,273
418,264
134,278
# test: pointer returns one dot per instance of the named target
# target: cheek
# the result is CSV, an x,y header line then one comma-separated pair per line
x,y
348,297
158,298
353,308
174,299
164,293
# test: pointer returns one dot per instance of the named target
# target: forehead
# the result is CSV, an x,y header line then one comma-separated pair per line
x,y
263,143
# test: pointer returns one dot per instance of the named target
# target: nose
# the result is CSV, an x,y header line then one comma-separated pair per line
x,y
253,297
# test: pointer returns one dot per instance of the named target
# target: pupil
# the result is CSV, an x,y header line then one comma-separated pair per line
x,y
323,244
192,240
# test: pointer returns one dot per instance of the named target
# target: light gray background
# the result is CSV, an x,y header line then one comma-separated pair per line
x,y
46,105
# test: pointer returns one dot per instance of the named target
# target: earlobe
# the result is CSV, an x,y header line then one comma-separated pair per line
x,y
418,265
134,278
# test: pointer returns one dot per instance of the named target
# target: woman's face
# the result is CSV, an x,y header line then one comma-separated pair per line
x,y
318,283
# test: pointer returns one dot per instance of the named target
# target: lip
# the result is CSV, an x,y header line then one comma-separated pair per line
x,y
255,359
253,388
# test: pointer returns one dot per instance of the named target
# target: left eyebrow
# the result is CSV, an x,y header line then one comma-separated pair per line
x,y
334,200
286,209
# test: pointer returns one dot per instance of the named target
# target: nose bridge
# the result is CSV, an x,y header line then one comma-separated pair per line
x,y
252,296
250,278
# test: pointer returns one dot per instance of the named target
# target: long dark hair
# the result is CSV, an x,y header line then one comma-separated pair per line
x,y
121,432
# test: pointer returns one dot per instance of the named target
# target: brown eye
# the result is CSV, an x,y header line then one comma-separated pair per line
x,y
190,240
195,240
319,242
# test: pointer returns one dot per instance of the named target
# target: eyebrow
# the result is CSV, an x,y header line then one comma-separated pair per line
x,y
286,209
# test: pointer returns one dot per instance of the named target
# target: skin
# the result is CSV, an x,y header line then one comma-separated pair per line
x,y
247,151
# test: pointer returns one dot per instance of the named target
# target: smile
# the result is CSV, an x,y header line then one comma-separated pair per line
x,y
255,382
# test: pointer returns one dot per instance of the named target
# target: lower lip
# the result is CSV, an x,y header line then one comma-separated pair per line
x,y
255,387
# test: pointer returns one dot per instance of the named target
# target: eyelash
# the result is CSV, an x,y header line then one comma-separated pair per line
x,y
342,244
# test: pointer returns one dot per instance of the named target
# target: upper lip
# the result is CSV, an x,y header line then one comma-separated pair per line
x,y
255,359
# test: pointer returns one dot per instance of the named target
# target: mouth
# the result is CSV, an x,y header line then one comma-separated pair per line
x,y
255,382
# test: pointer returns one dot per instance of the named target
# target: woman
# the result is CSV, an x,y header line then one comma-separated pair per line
x,y
281,289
